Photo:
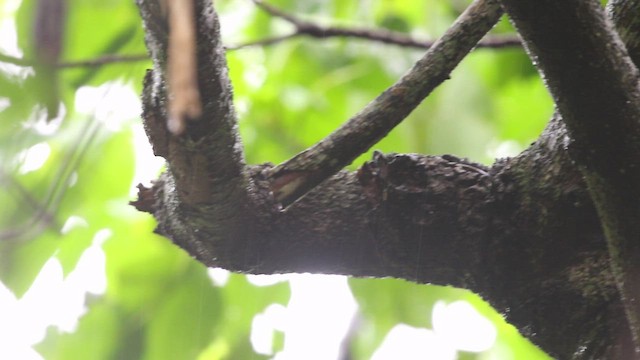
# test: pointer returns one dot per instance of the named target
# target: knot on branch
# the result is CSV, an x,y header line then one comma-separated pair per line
x,y
446,189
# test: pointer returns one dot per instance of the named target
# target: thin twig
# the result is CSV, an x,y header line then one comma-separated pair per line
x,y
297,176
44,217
303,27
15,60
103,60
263,42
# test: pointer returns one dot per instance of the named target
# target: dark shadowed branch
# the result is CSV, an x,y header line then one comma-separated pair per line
x,y
594,84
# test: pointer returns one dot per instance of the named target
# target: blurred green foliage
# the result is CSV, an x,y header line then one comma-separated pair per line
x,y
159,303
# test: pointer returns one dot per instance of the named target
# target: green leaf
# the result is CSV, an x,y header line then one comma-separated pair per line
x,y
98,334
73,244
508,336
103,176
242,302
523,107
13,135
104,173
21,261
99,74
24,27
141,267
395,23
184,323
384,303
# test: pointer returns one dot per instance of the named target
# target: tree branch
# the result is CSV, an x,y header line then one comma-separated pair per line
x,y
295,177
523,233
302,28
99,61
103,60
15,60
625,15
206,164
595,87
311,29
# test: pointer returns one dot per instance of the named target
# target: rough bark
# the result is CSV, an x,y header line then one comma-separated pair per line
x,y
523,233
594,84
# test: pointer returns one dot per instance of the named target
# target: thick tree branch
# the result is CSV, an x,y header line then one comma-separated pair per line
x,y
523,233
595,87
295,177
206,164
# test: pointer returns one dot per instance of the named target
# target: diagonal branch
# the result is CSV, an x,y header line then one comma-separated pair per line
x,y
595,87
626,16
295,177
